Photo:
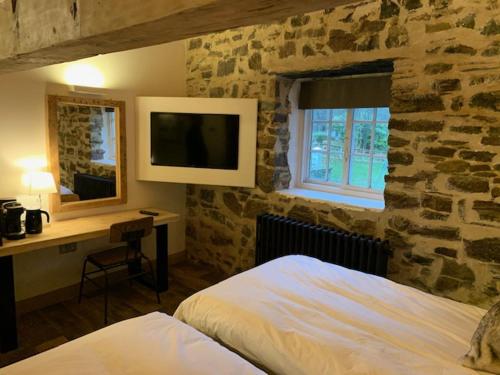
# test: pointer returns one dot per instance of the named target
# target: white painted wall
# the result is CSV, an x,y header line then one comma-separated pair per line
x,y
155,71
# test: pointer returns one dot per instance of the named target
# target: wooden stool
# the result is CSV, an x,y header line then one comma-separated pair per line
x,y
131,255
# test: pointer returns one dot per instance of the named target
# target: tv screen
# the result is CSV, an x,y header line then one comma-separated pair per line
x,y
195,140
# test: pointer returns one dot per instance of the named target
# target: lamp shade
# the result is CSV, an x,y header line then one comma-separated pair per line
x,y
39,182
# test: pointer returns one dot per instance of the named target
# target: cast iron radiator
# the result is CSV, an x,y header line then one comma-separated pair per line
x,y
278,236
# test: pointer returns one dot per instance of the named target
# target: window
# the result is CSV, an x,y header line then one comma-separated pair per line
x,y
109,137
345,149
104,137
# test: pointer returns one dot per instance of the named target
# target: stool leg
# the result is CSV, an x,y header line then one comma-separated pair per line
x,y
82,280
105,297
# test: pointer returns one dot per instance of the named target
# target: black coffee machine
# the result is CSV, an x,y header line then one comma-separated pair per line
x,y
2,216
12,227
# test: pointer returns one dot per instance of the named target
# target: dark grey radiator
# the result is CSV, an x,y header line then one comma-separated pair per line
x,y
278,236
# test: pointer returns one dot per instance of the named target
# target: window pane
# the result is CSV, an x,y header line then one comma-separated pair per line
x,y
363,114
336,166
336,170
383,114
379,170
321,114
339,115
337,134
319,136
380,144
380,148
317,165
360,155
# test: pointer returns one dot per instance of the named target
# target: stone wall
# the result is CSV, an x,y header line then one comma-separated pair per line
x,y
442,214
80,139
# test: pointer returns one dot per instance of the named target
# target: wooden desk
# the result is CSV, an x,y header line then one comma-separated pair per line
x,y
65,232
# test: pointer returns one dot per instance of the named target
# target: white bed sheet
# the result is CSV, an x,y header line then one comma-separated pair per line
x,y
152,344
65,191
298,315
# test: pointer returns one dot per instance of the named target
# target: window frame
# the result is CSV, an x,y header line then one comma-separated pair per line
x,y
304,154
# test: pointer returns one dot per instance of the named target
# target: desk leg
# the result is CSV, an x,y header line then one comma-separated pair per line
x,y
162,257
8,324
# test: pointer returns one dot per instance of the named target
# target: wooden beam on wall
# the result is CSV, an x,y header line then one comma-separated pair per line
x,y
45,32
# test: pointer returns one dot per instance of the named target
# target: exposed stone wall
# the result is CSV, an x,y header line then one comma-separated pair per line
x,y
80,137
442,214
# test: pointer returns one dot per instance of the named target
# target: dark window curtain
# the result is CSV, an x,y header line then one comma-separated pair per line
x,y
346,92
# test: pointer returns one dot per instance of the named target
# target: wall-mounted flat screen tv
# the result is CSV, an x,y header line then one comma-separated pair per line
x,y
195,140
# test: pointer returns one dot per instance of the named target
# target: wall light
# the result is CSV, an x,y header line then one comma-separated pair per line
x,y
87,91
32,163
84,75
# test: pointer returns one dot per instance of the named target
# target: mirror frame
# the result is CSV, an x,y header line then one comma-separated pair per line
x,y
121,146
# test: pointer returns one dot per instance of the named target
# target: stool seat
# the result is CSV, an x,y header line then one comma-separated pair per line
x,y
112,257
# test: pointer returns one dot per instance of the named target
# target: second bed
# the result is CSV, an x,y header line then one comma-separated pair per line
x,y
298,315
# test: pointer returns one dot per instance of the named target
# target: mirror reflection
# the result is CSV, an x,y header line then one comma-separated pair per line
x,y
87,151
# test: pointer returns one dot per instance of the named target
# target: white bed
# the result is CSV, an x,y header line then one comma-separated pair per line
x,y
152,344
298,315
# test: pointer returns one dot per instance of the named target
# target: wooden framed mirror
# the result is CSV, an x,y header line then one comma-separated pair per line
x,y
87,143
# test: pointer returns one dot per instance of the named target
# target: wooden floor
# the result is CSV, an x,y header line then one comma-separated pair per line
x,y
54,325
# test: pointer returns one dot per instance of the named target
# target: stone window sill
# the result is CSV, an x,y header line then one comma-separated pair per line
x,y
349,202
105,162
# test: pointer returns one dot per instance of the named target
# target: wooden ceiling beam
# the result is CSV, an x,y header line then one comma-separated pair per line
x,y
43,32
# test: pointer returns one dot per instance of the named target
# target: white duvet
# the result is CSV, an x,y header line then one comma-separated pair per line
x,y
298,315
149,345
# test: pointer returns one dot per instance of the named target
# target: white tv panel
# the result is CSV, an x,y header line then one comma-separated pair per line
x,y
244,176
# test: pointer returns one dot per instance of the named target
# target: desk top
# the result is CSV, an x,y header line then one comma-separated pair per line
x,y
81,229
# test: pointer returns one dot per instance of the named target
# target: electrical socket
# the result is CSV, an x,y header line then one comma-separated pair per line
x,y
67,248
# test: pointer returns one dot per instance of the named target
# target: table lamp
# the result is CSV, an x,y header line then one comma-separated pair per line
x,y
39,183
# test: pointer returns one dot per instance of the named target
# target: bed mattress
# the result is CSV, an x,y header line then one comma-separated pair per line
x,y
152,344
298,315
